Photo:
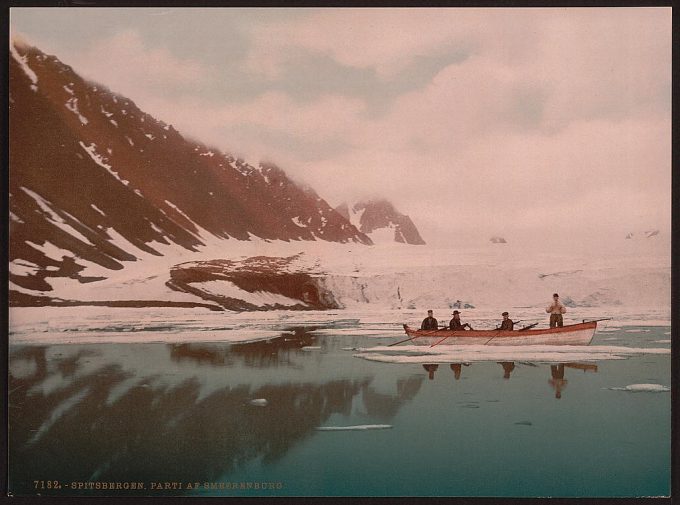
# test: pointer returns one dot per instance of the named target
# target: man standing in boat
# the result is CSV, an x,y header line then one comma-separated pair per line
x,y
506,324
455,323
556,309
429,323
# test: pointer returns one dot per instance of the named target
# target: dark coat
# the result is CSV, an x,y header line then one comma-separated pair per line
x,y
455,324
429,323
507,325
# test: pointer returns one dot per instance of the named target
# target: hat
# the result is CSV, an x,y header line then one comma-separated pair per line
x,y
430,310
455,312
505,314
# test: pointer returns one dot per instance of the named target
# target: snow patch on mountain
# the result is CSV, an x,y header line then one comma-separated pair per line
x,y
72,105
260,298
101,161
55,218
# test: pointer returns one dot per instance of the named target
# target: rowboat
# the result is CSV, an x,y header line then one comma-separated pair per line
x,y
572,334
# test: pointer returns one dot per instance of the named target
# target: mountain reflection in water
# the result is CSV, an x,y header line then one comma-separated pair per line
x,y
65,425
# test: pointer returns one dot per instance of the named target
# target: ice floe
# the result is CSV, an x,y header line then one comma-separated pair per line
x,y
358,427
472,353
640,388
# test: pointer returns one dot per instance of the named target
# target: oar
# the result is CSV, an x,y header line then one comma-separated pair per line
x,y
598,320
440,341
447,336
409,339
499,332
528,327
406,340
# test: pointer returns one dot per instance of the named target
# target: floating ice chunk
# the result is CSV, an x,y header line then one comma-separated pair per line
x,y
358,427
259,402
311,348
661,341
638,388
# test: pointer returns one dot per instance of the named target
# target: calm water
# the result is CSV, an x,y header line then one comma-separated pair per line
x,y
178,413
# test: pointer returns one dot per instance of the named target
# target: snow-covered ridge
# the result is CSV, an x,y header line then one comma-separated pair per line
x,y
23,63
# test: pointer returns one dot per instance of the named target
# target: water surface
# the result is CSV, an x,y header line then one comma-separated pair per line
x,y
178,413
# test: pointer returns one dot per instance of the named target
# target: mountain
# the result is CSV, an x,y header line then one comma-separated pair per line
x,y
497,240
95,181
381,221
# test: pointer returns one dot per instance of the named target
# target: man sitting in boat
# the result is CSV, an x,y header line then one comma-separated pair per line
x,y
429,323
556,309
507,323
455,323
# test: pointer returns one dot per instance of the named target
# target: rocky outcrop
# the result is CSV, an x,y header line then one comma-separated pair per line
x,y
258,283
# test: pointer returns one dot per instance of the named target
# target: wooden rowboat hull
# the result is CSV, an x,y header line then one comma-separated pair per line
x,y
574,334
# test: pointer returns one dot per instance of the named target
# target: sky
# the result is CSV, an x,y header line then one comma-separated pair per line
x,y
533,124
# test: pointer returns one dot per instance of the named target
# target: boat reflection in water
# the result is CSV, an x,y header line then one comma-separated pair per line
x,y
508,367
458,368
557,380
431,369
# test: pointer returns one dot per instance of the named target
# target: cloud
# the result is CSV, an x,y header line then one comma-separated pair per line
x,y
129,65
470,120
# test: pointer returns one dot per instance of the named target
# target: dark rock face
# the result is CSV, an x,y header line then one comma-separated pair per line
x,y
497,240
375,215
95,179
214,282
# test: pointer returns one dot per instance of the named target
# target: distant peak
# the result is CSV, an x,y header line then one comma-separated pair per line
x,y
378,218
